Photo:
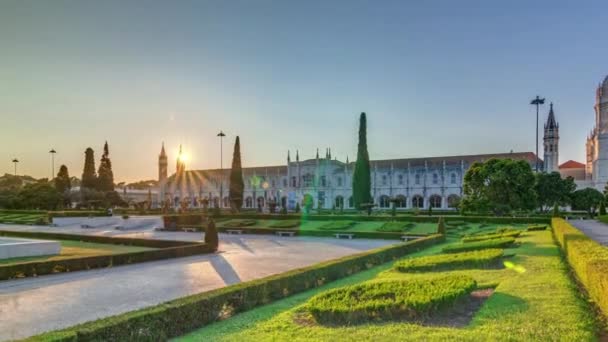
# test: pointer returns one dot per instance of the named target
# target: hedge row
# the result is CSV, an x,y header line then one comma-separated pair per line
x,y
77,213
180,316
474,246
37,268
588,259
474,259
393,300
484,237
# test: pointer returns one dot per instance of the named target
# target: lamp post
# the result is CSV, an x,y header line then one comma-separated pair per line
x,y
537,102
52,152
221,135
15,161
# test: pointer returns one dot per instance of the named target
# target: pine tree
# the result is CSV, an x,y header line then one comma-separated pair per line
x,y
237,184
89,177
62,182
105,174
361,178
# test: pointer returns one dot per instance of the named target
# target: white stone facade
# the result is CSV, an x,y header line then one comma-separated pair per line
x,y
596,167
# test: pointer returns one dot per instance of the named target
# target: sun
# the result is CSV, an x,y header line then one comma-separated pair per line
x,y
183,157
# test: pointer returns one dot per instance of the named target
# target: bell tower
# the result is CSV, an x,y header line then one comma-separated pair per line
x,y
162,165
551,143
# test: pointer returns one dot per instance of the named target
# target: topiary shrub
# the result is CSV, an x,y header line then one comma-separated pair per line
x,y
239,223
473,246
211,235
285,224
474,259
441,226
408,300
338,225
395,227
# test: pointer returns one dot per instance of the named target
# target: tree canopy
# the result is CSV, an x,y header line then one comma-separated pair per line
x,y
237,185
587,199
105,176
89,176
551,189
362,177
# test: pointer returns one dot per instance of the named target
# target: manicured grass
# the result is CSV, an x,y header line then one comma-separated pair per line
x,y
72,249
238,223
285,224
338,225
534,300
475,259
477,245
391,300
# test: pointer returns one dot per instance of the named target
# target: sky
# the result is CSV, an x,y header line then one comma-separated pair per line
x,y
434,77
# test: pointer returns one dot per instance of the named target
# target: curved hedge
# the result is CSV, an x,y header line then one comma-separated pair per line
x,y
474,259
474,246
409,300
484,237
588,259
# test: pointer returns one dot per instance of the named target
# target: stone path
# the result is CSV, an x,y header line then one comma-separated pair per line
x,y
596,230
34,305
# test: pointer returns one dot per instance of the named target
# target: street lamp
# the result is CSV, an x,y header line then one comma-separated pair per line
x,y
52,152
15,161
221,135
537,102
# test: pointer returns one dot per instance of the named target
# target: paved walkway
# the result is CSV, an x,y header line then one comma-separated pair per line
x,y
596,230
34,305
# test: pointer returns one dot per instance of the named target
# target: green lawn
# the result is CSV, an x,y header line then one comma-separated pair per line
x,y
21,218
534,300
71,249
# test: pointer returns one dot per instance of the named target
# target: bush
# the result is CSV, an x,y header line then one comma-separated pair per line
x,y
338,225
285,224
473,246
474,259
180,316
395,227
588,259
125,217
393,300
537,227
239,223
211,236
483,237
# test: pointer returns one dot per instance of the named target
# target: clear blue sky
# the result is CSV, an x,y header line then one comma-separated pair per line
x,y
435,77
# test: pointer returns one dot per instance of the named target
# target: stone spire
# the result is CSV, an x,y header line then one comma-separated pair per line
x,y
551,143
162,164
288,157
297,155
317,153
551,122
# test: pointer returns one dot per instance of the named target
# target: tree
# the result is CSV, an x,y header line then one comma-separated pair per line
x,y
63,184
40,195
211,235
551,189
602,209
105,176
587,199
361,177
89,177
237,185
555,210
499,186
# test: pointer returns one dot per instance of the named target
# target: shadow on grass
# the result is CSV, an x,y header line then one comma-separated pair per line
x,y
500,305
531,249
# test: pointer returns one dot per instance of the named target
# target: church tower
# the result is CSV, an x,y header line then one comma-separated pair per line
x,y
162,165
551,143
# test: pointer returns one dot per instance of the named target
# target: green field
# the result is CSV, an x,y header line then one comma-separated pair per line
x,y
23,218
534,299
74,249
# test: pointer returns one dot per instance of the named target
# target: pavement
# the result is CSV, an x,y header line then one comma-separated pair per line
x,y
34,305
596,230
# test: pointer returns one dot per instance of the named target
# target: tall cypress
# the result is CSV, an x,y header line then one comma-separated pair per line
x,y
361,178
89,177
237,184
105,174
62,182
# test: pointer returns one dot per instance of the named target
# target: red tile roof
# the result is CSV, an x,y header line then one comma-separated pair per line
x,y
571,164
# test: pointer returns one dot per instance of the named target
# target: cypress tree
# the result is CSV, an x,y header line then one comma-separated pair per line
x,y
361,178
62,182
89,177
105,174
237,184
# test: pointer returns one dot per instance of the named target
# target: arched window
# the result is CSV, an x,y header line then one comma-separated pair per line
x,y
453,201
435,201
435,178
417,179
260,202
294,181
417,201
248,202
400,179
453,178
400,201
351,202
339,202
385,201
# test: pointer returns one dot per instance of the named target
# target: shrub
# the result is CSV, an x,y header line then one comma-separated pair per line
x,y
239,223
211,235
395,227
338,225
285,224
441,226
537,227
125,217
473,246
483,237
474,259
588,259
409,300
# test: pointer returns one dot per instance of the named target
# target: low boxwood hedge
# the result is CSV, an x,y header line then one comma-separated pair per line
x,y
451,261
338,225
396,227
285,224
393,300
474,246
587,258
178,317
483,237
239,223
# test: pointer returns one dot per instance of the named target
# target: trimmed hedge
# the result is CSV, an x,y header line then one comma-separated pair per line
x,y
77,213
285,224
536,228
587,258
183,315
474,259
396,227
239,223
393,300
484,237
338,225
474,246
